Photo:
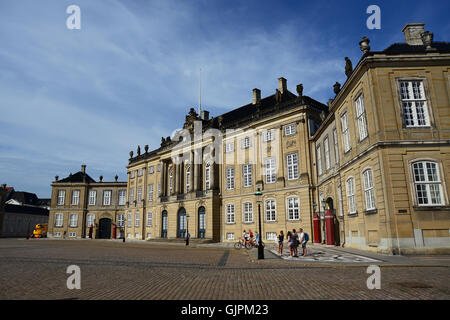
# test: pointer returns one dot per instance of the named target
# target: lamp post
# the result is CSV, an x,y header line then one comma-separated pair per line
x,y
260,247
187,229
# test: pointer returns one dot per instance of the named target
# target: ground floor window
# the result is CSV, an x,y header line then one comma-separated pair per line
x,y
230,236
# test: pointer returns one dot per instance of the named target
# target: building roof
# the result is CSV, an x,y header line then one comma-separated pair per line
x,y
26,209
24,197
402,48
78,177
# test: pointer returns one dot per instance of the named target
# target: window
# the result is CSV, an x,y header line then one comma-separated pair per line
x,y
271,236
290,129
345,132
269,135
149,219
149,235
57,234
140,172
368,189
361,117
159,189
150,192
336,146
61,197
188,178
72,234
207,175
106,197
132,174
246,143
293,208
326,147
230,178
414,104
90,220
73,220
270,171
75,197
248,212
131,195
122,197
229,147
271,211
351,195
292,166
92,197
151,169
319,161
230,213
121,220
137,235
427,183
137,219
247,173
158,168
230,236
130,219
341,204
139,194
59,220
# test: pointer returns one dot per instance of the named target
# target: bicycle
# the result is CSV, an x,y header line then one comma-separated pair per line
x,y
254,244
240,244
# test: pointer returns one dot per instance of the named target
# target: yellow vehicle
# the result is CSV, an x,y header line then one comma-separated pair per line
x,y
40,231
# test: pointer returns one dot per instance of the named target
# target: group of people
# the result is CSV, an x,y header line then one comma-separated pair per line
x,y
294,240
249,237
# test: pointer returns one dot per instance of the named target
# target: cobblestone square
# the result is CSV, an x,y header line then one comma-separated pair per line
x,y
36,269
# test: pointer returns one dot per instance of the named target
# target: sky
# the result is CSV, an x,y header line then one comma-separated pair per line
x,y
131,73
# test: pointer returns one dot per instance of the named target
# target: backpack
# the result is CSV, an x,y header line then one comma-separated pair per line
x,y
306,237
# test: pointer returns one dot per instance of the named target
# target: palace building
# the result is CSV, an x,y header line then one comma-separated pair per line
x,y
369,169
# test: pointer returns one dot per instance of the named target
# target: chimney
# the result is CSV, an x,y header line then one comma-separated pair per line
x,y
256,96
4,186
282,85
413,33
205,115
83,168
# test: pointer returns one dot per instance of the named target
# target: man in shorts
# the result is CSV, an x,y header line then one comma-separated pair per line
x,y
303,240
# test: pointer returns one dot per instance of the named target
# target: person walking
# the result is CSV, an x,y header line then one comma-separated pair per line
x,y
295,242
304,237
280,243
290,243
90,231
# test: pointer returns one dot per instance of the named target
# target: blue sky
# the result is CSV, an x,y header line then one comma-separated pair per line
x,y
130,75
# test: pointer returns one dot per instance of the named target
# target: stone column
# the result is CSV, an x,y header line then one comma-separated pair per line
x,y
162,178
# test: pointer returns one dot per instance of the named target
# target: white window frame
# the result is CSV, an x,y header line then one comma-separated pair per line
x,y
428,186
326,147
130,220
107,194
293,208
269,135
61,197
150,192
131,195
270,171
149,219
369,191
59,220
229,147
247,175
413,98
246,143
230,178
270,214
271,236
151,169
336,146
361,118
290,129
137,219
188,178
140,172
73,220
319,160
90,219
75,197
350,189
122,197
121,220
207,175
230,236
230,213
247,212
92,197
345,132
292,166
139,194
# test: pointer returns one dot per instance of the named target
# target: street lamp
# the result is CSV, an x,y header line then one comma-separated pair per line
x,y
260,247
187,229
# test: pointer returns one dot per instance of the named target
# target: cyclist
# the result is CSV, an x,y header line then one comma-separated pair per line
x,y
251,236
245,238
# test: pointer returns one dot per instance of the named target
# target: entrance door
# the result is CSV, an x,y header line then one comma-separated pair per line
x,y
105,228
182,223
201,222
164,224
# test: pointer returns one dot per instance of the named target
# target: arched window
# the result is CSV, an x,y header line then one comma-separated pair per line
x,y
427,183
369,194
